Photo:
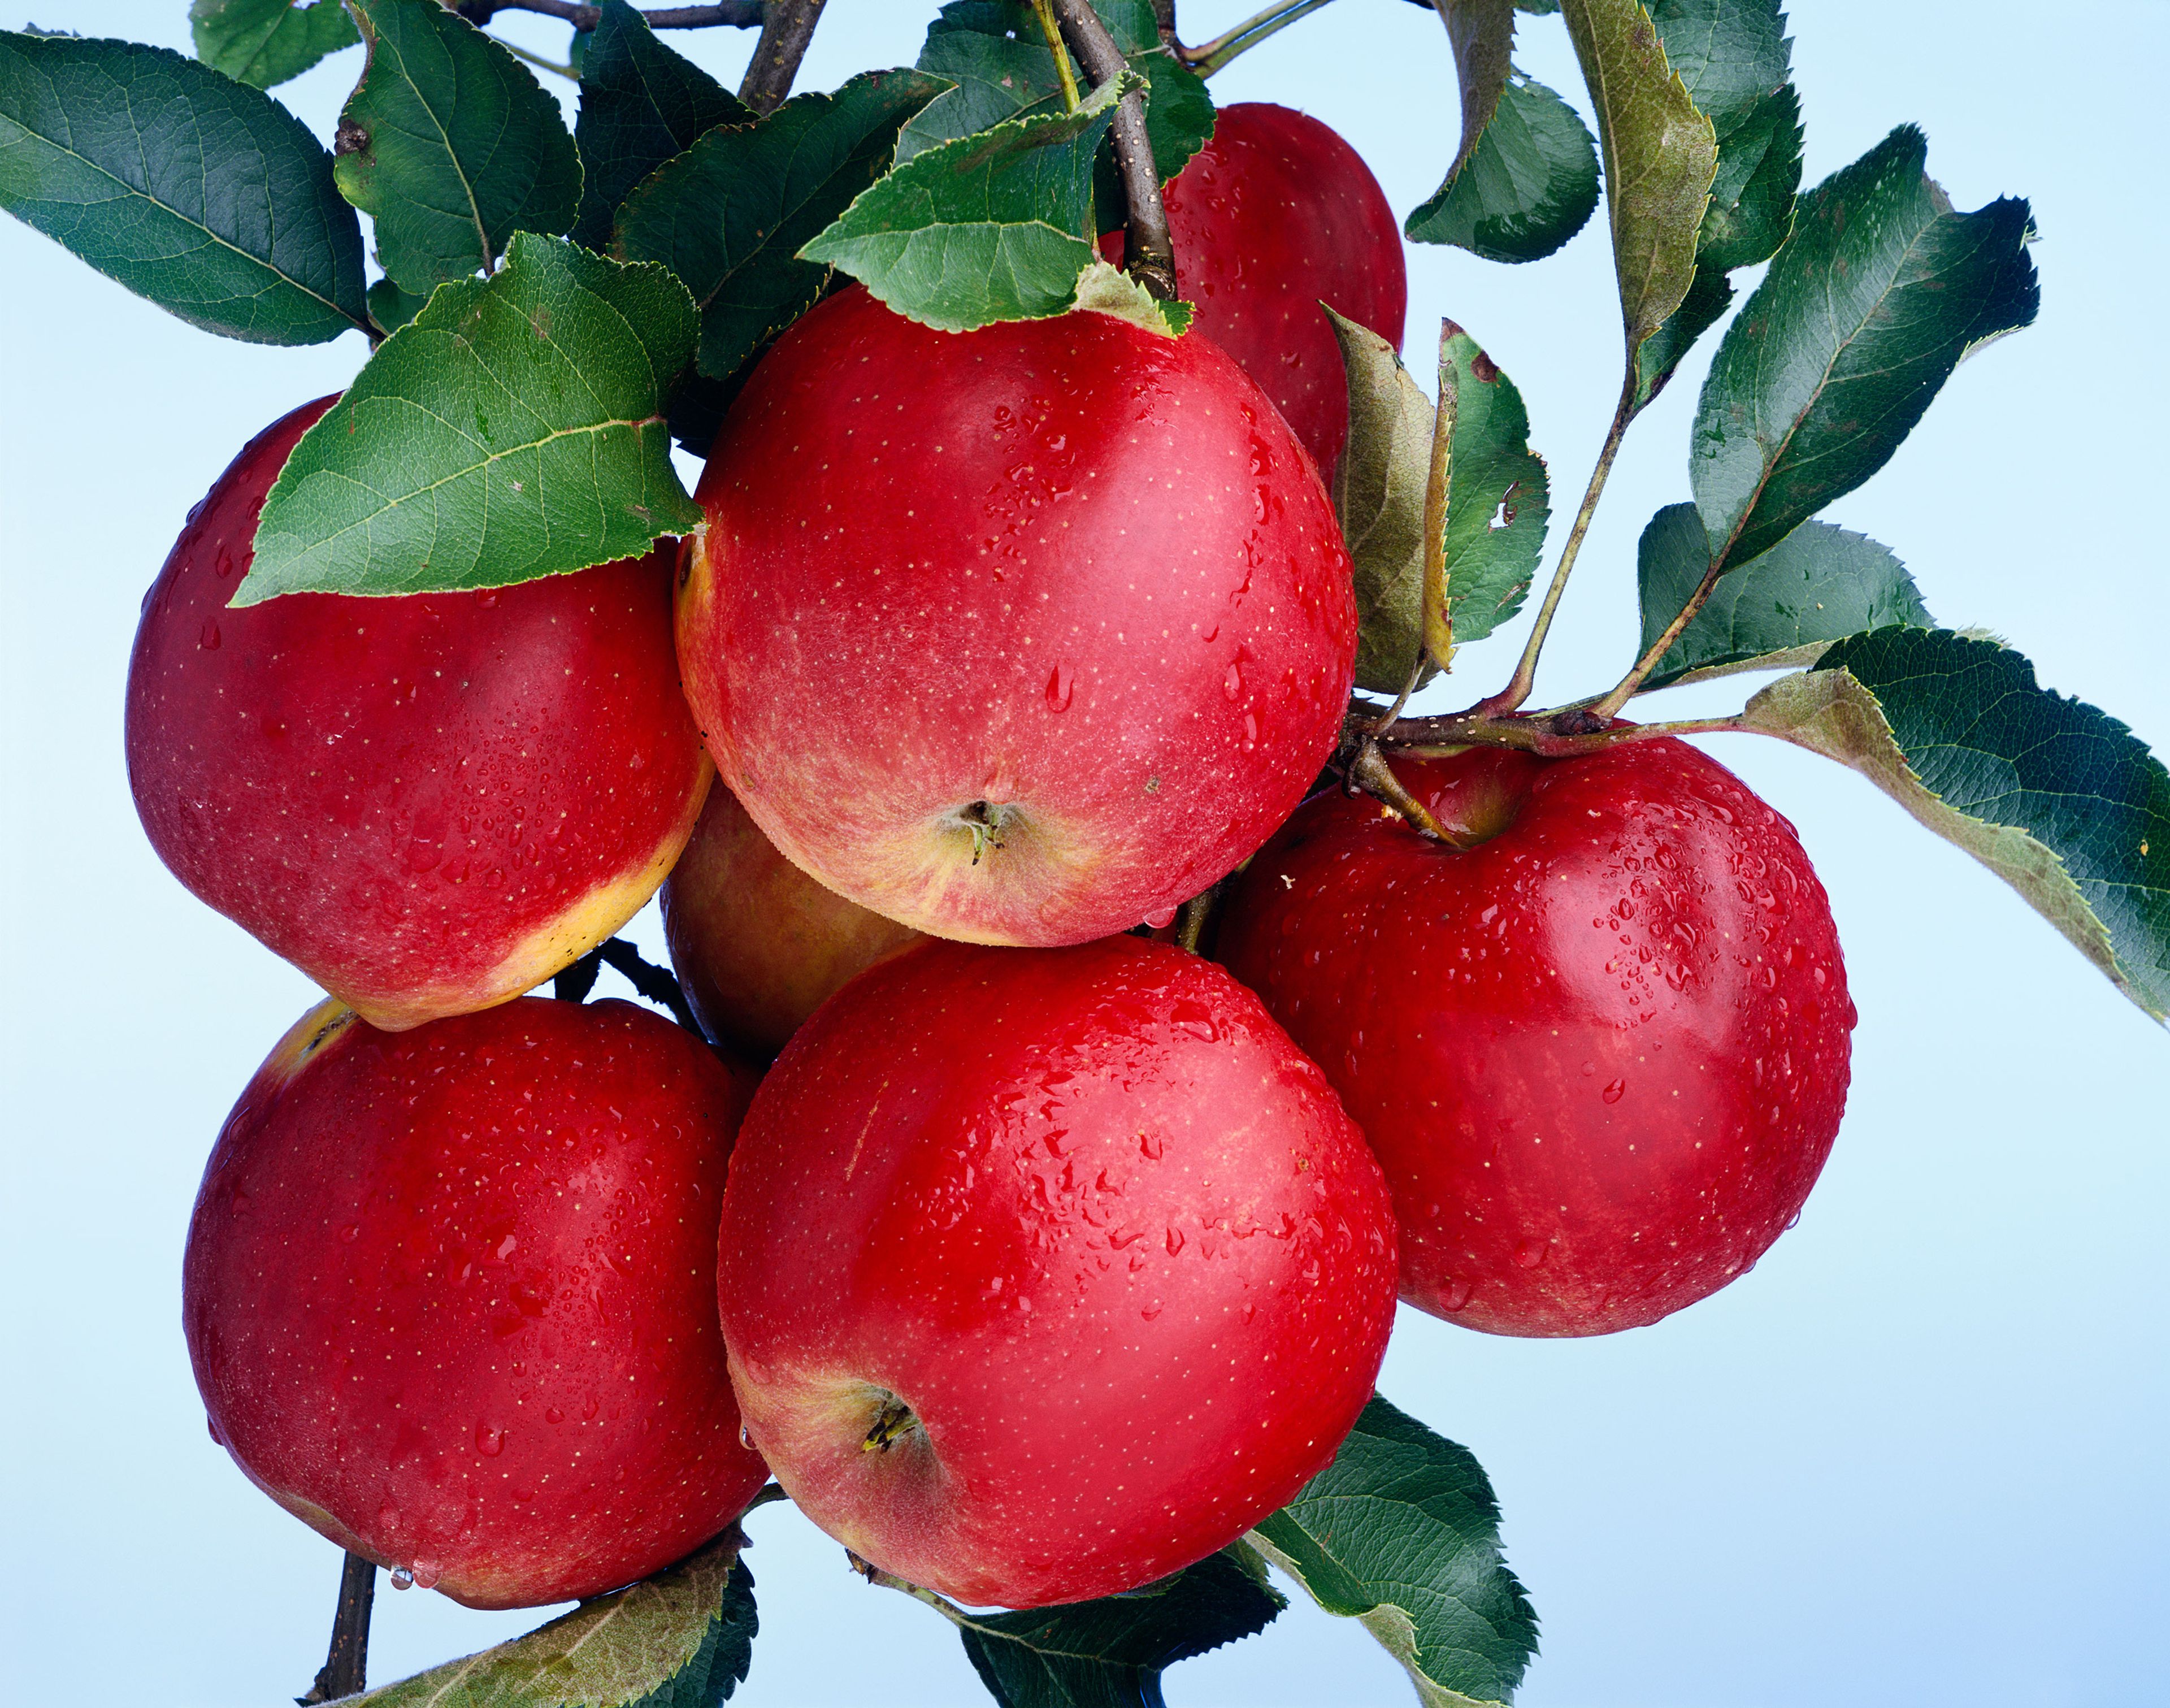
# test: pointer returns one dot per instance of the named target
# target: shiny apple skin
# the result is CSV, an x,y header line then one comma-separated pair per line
x,y
1096,1221
429,804
450,1294
758,944
1065,573
1275,215
1602,1056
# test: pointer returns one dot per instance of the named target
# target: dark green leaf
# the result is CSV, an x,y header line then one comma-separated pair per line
x,y
207,196
992,226
1401,1532
2059,800
1529,186
450,145
1729,54
1706,301
1660,155
263,42
1498,499
730,215
1878,293
641,103
391,308
513,428
1482,34
1820,584
1111,1653
682,1639
1759,169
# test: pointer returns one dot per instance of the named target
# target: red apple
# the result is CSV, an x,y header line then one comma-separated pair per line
x,y
1275,215
758,944
1077,1239
1601,1051
427,804
1019,636
450,1294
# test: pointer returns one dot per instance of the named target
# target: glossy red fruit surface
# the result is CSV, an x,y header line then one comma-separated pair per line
x,y
428,804
758,944
1601,1054
1081,1236
1275,215
450,1294
1019,636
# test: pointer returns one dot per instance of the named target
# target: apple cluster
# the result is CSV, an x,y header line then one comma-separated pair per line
x,y
1034,1258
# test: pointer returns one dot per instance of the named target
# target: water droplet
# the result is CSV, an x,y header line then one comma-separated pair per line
x,y
488,1442
350,1234
225,566
209,639
1231,684
1455,1295
1162,920
745,1437
1250,730
425,1573
402,1577
550,1414
1059,687
1149,1146
1529,1253
211,1424
1149,1311
1614,1090
1174,1241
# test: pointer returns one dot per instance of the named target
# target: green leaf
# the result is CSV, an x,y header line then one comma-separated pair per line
x,y
682,1639
450,145
1401,1532
1661,156
1482,34
991,227
996,54
263,42
1876,296
1111,1653
1820,584
730,215
513,428
641,103
1499,498
1530,184
204,195
1734,59
391,308
2058,799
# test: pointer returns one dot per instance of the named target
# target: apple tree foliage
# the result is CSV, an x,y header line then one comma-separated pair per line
x,y
553,305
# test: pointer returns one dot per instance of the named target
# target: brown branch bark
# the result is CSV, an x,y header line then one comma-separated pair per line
x,y
1148,250
742,14
786,26
346,1670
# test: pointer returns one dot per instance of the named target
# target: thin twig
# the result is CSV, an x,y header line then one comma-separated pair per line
x,y
1368,773
786,26
1209,58
1510,697
1631,684
1431,738
1148,250
1044,11
346,1670
742,14
537,60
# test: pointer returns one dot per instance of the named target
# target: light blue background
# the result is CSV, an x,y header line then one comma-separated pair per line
x,y
1916,1457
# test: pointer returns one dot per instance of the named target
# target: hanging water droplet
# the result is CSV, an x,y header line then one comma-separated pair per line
x,y
425,1573
1455,1295
1162,920
1529,1253
488,1442
745,1437
402,1577
209,639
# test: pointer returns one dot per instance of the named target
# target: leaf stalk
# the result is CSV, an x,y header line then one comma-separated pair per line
x,y
1044,10
1209,58
1148,247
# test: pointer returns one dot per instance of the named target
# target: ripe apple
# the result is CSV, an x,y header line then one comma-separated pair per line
x,y
1275,214
1601,1051
1045,1273
428,804
758,944
450,1294
1019,636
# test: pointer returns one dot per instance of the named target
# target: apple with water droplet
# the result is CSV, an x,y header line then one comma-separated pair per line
x,y
450,1294
1274,216
1018,635
428,804
1601,1048
1046,1273
758,944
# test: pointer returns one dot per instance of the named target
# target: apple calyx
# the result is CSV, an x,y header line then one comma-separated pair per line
x,y
893,1422
983,820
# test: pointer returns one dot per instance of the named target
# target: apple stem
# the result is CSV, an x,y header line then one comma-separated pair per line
x,y
787,27
1195,915
1553,736
742,14
1209,58
346,1670
1517,690
649,981
888,1579
1630,684
1368,773
1148,248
